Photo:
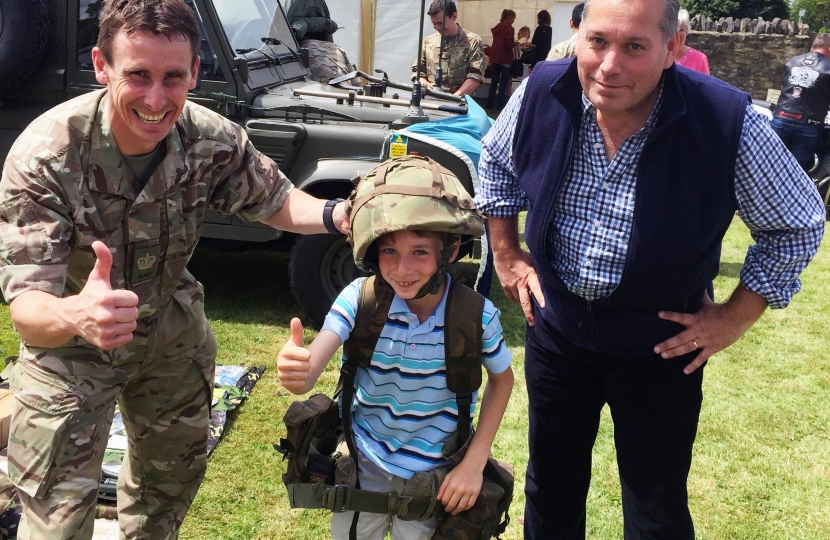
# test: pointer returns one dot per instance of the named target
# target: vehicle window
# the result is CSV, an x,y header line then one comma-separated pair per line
x,y
246,22
88,15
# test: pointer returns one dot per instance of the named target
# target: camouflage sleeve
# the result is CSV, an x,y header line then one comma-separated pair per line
x,y
251,185
421,66
35,230
478,62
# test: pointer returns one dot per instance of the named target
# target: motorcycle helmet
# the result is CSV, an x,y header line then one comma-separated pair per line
x,y
410,193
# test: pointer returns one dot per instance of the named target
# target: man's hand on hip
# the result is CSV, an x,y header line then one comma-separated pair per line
x,y
713,328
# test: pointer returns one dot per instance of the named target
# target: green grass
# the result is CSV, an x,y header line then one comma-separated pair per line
x,y
762,460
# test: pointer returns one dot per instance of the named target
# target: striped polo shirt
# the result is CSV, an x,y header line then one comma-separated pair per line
x,y
403,411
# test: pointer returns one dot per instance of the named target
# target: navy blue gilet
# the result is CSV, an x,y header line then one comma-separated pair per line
x,y
684,203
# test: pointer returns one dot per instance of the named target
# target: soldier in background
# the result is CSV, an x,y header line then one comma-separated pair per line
x,y
567,48
462,62
101,205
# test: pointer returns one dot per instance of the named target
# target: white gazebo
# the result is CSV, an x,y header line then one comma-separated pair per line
x,y
383,34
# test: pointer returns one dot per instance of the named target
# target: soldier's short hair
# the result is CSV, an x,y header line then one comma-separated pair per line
x,y
438,5
576,14
161,17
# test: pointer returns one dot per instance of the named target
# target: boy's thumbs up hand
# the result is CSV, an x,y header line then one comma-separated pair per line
x,y
294,360
105,317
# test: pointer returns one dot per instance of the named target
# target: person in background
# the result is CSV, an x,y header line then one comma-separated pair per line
x,y
501,58
567,48
798,118
310,19
523,50
631,170
462,63
687,56
541,37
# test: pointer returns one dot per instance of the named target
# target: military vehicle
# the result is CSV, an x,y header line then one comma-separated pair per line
x,y
253,71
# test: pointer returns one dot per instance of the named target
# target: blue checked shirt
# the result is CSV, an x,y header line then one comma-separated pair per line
x,y
594,209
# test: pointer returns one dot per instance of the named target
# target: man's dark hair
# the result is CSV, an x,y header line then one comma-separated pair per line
x,y
543,18
437,5
576,14
161,17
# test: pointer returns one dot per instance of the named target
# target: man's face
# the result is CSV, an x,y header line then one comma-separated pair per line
x,y
450,28
148,82
621,55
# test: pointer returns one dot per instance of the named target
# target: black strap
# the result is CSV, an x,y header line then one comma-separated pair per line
x,y
462,349
372,311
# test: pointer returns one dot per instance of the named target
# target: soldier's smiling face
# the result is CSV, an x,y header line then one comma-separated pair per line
x,y
148,81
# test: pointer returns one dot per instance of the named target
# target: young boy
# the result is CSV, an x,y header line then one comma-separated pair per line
x,y
403,411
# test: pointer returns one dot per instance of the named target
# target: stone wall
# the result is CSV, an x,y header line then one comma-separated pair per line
x,y
752,62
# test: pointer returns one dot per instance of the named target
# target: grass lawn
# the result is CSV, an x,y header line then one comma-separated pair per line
x,y
762,461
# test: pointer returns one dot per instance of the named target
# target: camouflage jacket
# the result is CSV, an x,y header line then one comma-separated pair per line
x,y
564,49
326,60
463,59
65,185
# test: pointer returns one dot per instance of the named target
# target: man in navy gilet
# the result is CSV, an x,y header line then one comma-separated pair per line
x,y
631,170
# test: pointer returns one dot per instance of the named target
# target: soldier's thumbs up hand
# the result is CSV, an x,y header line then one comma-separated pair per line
x,y
105,317
294,360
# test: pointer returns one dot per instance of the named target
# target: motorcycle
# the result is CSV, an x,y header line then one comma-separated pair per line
x,y
819,173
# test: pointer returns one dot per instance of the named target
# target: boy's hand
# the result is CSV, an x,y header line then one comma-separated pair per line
x,y
461,487
294,360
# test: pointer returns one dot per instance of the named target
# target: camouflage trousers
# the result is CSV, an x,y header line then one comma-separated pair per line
x,y
64,406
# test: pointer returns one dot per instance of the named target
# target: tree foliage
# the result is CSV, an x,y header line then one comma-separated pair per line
x,y
768,9
816,12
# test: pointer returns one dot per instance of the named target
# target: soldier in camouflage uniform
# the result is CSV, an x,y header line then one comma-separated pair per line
x,y
462,63
93,252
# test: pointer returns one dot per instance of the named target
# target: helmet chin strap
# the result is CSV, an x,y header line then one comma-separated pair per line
x,y
434,284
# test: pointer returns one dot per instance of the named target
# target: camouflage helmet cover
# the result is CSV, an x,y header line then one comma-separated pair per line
x,y
409,193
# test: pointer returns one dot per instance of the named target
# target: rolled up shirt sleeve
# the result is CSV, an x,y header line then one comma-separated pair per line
x,y
781,207
35,225
500,194
478,61
251,185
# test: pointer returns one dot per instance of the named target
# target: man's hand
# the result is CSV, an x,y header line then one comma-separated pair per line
x,y
519,280
294,360
713,328
514,266
461,487
340,217
425,83
103,316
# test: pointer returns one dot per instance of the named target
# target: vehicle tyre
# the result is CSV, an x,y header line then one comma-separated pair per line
x,y
24,32
321,266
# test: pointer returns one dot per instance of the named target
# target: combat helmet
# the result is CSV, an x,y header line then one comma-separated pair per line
x,y
410,193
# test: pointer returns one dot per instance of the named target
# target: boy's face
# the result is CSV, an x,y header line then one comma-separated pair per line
x,y
408,261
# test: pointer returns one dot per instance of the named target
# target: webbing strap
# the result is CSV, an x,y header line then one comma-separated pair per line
x,y
372,310
344,498
462,349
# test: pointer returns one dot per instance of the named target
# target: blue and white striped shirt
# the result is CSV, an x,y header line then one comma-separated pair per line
x,y
594,210
403,411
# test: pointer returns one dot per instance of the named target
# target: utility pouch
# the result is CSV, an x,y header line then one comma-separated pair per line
x,y
484,520
312,428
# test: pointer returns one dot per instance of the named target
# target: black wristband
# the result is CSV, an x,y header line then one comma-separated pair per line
x,y
327,220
